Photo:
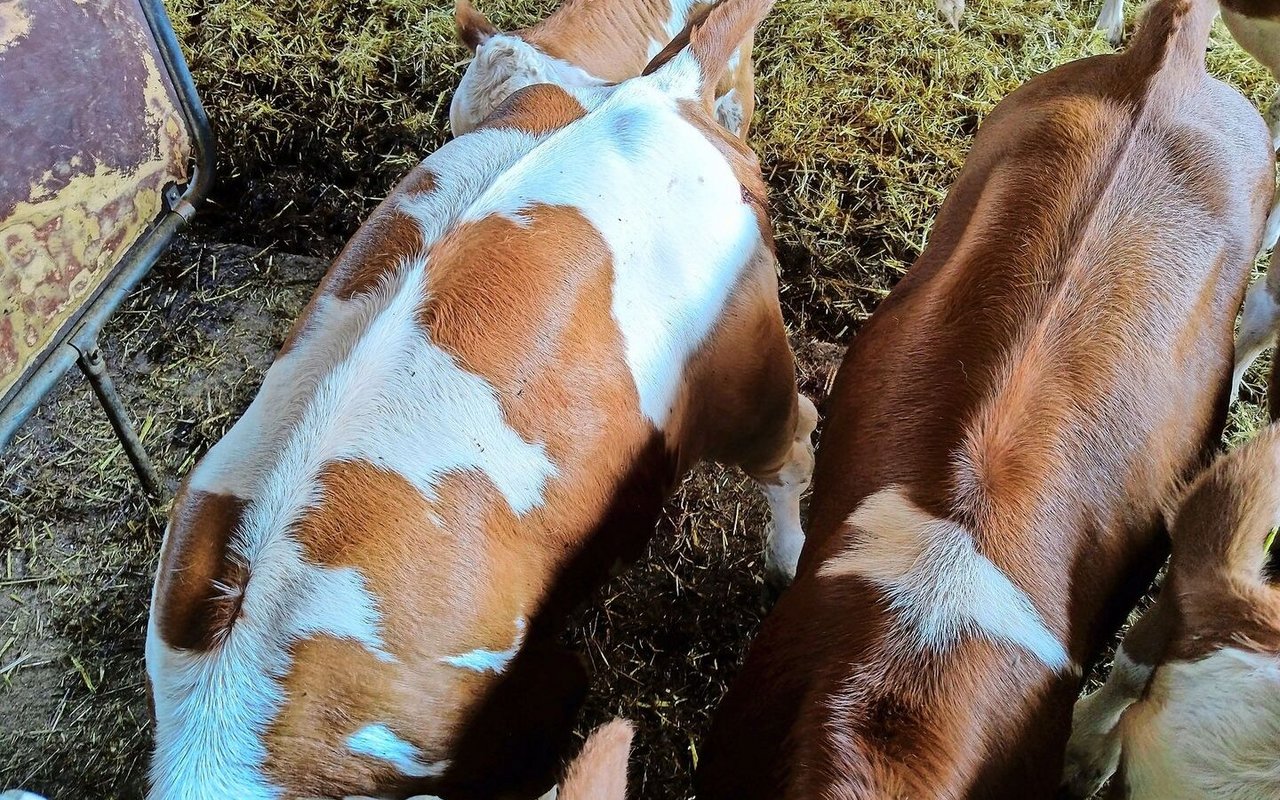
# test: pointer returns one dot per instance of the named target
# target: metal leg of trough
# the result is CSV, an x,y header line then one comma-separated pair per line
x,y
95,369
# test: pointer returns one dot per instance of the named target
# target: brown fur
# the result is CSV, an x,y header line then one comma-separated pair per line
x,y
1257,9
600,771
525,306
479,567
1216,595
1216,586
473,27
196,610
611,40
538,109
1047,374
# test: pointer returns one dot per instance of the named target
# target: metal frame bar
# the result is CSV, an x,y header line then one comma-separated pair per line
x,y
79,342
95,369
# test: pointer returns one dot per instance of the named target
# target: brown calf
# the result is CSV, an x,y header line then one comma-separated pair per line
x,y
1191,710
586,43
1004,434
484,407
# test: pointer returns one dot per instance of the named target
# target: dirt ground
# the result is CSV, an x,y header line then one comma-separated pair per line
x,y
853,192
78,536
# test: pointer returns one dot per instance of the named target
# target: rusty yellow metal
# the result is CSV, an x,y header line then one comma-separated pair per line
x,y
91,134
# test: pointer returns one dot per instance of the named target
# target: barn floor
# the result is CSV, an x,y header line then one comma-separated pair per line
x,y
866,110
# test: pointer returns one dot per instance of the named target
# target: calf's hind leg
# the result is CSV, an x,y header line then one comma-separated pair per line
x,y
746,412
1272,234
1111,20
1273,119
1258,324
783,489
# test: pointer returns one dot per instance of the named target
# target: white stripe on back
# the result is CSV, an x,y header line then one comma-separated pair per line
x,y
937,583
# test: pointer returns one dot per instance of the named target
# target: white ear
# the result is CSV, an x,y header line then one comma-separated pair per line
x,y
695,61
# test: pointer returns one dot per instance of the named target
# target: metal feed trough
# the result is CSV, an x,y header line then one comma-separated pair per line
x,y
104,153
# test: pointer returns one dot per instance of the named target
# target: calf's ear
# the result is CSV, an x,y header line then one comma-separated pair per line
x,y
474,29
695,61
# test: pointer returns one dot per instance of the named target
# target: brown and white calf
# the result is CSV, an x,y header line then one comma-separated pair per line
x,y
1003,436
1191,710
485,405
586,43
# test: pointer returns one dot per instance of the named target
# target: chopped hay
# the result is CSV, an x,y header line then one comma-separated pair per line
x,y
866,111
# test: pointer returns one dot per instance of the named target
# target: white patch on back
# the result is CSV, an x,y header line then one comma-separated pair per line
x,y
1207,729
938,584
241,460
364,384
489,661
461,170
670,208
380,742
406,406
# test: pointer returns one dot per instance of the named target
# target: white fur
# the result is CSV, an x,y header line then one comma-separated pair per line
x,y
1271,234
212,707
1111,20
1258,326
671,211
18,794
503,65
1093,753
367,385
729,112
1273,122
380,742
672,25
785,539
491,661
364,382
937,582
951,10
461,170
1208,730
